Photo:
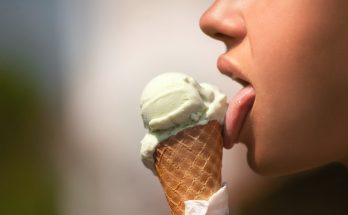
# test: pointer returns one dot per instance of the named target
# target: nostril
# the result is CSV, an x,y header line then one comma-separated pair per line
x,y
219,35
222,37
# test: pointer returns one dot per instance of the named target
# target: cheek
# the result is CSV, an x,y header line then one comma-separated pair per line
x,y
294,90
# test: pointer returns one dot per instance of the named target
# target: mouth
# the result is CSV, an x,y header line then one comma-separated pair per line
x,y
231,68
241,104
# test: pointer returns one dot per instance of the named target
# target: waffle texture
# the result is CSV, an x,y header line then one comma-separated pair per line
x,y
189,165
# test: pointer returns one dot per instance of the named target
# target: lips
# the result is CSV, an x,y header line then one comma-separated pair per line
x,y
241,103
231,68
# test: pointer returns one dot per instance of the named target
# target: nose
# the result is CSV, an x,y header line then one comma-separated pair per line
x,y
224,21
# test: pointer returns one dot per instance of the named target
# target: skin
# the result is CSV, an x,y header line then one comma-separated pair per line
x,y
295,55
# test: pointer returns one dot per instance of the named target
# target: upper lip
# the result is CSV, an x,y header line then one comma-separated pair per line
x,y
231,68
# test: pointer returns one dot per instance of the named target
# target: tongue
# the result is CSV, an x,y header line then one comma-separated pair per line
x,y
237,111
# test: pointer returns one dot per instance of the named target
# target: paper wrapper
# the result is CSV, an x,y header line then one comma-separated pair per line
x,y
217,204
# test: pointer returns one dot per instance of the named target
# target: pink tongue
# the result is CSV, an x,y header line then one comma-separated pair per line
x,y
237,111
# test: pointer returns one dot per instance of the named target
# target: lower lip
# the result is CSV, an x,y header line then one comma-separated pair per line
x,y
236,114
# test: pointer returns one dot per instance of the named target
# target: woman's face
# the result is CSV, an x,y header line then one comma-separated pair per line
x,y
294,53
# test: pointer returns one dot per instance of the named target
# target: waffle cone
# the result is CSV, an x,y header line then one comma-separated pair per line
x,y
189,165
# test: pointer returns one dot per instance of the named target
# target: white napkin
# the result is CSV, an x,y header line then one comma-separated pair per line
x,y
217,204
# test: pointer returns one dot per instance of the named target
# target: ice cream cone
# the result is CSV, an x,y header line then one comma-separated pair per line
x,y
189,165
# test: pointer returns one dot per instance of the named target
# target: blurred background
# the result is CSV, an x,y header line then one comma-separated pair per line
x,y
71,75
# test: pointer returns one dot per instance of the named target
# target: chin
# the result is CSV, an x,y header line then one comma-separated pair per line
x,y
270,168
263,167
268,165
